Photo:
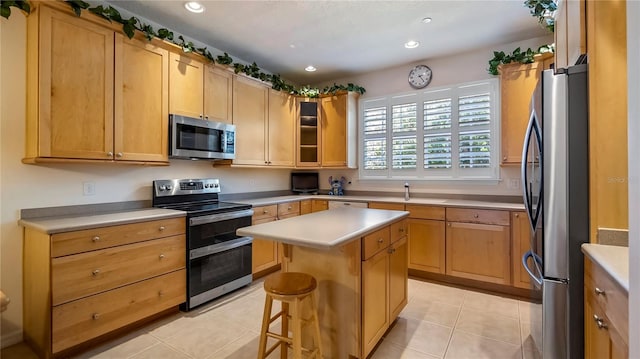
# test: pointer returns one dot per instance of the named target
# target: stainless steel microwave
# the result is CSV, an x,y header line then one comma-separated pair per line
x,y
193,138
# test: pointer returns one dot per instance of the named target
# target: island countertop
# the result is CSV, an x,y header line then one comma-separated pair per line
x,y
324,229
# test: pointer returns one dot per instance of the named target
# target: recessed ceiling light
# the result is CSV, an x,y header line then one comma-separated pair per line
x,y
426,20
194,6
411,44
292,46
310,68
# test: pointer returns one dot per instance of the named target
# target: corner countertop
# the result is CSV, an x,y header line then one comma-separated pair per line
x,y
52,225
390,199
613,259
324,229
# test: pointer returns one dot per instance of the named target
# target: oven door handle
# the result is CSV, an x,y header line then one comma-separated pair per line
x,y
220,247
196,221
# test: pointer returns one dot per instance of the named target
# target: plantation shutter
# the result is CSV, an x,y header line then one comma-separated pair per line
x,y
404,139
474,139
437,134
375,141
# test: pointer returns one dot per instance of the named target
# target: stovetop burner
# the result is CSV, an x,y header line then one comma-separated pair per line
x,y
195,196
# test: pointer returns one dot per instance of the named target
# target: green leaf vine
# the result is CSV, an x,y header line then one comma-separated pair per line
x,y
133,24
523,57
542,9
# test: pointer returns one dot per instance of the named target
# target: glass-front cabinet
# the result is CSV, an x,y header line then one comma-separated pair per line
x,y
308,133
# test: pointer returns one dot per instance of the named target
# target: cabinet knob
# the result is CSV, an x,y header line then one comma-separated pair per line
x,y
517,215
475,215
201,116
161,256
289,208
448,224
95,272
599,291
504,158
162,228
206,117
380,240
119,154
600,322
95,316
96,238
160,293
109,154
401,230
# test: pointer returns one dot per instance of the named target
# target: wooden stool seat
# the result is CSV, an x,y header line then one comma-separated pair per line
x,y
291,288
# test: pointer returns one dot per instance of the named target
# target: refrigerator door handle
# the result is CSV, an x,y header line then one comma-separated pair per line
x,y
538,264
532,129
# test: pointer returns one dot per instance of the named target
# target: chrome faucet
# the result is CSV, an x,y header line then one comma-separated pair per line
x,y
406,191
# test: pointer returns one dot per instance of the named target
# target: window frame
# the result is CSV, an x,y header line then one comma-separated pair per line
x,y
455,173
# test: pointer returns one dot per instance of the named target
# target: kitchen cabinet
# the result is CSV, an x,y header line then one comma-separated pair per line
x,y
606,315
305,206
264,252
264,121
570,32
426,238
521,243
90,92
80,285
387,205
308,133
478,245
199,90
319,205
343,204
384,281
339,130
517,82
608,157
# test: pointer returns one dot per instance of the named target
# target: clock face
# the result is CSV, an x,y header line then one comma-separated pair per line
x,y
420,76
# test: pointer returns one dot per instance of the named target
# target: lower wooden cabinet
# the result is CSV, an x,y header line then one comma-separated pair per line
x,y
305,206
398,278
521,243
83,284
319,205
427,245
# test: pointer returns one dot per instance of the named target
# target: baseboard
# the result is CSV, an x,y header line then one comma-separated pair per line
x,y
10,339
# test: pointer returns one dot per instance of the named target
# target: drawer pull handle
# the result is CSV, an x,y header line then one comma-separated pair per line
x,y
401,230
600,322
95,316
289,207
95,272
160,293
475,215
265,211
599,291
380,240
391,250
161,256
162,228
96,238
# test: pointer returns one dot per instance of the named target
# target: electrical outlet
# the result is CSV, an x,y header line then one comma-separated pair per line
x,y
88,188
514,183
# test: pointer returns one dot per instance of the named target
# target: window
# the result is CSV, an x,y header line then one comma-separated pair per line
x,y
443,133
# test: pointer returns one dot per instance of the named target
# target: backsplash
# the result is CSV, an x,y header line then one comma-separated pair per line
x,y
613,237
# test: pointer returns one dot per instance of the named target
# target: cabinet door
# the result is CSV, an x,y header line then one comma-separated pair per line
x,y
186,76
334,133
427,245
141,101
517,83
264,252
75,88
250,118
398,278
596,340
218,94
305,206
478,251
308,133
520,235
375,307
281,129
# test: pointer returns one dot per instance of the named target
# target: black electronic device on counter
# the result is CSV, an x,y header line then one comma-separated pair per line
x,y
304,182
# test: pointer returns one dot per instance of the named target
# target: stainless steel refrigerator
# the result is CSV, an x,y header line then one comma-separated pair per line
x,y
555,179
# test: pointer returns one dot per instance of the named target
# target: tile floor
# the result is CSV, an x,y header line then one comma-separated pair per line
x,y
438,322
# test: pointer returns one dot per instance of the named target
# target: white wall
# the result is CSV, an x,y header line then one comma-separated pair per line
x,y
633,77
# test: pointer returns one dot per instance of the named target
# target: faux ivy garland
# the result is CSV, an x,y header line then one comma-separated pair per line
x,y
129,27
523,57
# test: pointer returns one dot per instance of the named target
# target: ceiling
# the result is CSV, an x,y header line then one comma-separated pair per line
x,y
341,38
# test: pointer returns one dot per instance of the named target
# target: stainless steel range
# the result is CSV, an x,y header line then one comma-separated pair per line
x,y
218,261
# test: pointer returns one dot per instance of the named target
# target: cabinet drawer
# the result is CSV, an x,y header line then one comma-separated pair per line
x,y
374,242
612,298
287,209
84,319
345,204
265,212
398,230
387,205
90,273
63,244
484,216
425,212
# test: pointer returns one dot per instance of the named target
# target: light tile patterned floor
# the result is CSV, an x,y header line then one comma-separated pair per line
x,y
439,322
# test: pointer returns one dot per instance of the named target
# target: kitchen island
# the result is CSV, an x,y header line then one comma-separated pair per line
x,y
359,258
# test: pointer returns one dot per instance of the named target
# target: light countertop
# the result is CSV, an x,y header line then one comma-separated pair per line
x,y
52,225
324,229
427,201
613,259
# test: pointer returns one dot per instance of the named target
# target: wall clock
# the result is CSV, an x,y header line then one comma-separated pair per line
x,y
420,76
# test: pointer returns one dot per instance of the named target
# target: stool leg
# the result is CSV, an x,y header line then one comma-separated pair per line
x,y
266,316
316,323
284,330
297,330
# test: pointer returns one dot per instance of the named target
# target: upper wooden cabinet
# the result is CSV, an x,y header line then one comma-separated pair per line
x,y
265,124
199,90
90,92
570,32
338,125
517,82
308,133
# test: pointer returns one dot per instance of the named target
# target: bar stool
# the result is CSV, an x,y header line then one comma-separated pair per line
x,y
291,288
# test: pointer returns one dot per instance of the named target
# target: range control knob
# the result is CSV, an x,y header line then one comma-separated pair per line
x,y
162,188
215,185
169,187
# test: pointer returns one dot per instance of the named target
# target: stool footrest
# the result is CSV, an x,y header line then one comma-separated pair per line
x,y
278,315
280,338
